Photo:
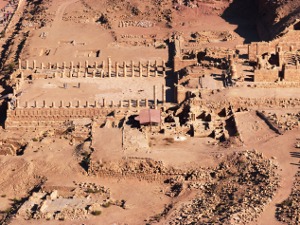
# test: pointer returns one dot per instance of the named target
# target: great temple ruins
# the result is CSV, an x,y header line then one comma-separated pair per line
x,y
149,112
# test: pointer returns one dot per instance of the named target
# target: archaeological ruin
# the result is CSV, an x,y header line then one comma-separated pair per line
x,y
149,112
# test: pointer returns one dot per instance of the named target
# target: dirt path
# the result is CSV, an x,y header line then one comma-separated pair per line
x,y
256,134
279,148
60,12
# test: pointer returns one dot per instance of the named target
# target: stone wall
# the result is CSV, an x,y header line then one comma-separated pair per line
x,y
266,75
96,69
291,74
39,114
259,48
180,63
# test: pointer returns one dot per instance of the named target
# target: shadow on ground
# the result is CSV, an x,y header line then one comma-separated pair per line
x,y
243,13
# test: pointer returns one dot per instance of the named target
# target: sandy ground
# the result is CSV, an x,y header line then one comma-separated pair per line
x,y
91,89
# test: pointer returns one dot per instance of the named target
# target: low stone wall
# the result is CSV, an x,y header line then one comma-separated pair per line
x,y
292,74
264,75
96,69
32,116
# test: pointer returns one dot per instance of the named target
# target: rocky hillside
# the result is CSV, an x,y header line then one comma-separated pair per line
x,y
275,15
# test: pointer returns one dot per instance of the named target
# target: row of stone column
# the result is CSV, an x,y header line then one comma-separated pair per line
x,y
130,68
133,103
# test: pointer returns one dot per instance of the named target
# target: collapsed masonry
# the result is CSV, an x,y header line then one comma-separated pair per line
x,y
68,203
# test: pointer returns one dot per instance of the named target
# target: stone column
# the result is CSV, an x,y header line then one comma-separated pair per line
x,y
22,75
20,64
79,66
280,56
26,104
154,96
86,64
104,103
27,66
34,65
78,104
64,65
125,69
70,104
61,103
17,103
132,68
57,65
117,69
141,69
35,104
42,66
49,65
96,65
53,104
109,66
103,66
146,103
155,69
112,103
102,73
164,68
94,74
71,65
163,93
95,104
148,69
121,103
44,103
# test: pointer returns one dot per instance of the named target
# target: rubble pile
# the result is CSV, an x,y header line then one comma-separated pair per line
x,y
238,191
146,169
212,36
288,121
94,188
288,210
68,203
143,168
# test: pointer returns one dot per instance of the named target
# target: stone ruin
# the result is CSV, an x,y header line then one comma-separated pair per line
x,y
236,193
281,123
12,147
288,210
68,203
48,113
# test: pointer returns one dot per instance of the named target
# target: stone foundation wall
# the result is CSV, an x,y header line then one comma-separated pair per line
x,y
31,116
292,74
180,63
265,75
259,48
96,69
